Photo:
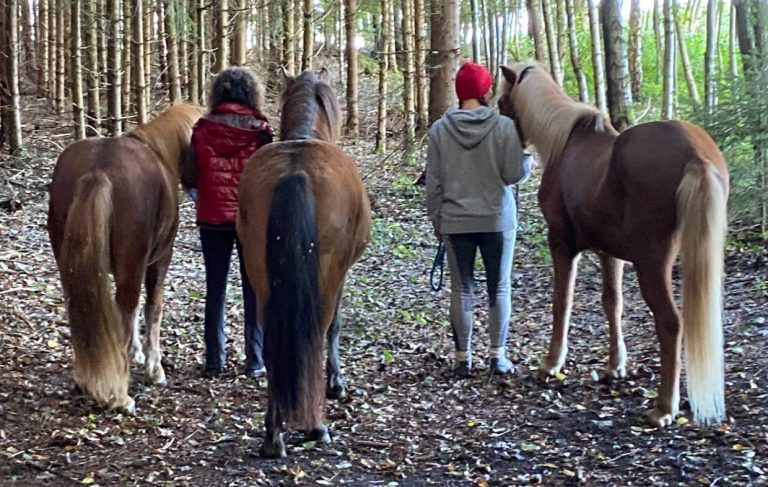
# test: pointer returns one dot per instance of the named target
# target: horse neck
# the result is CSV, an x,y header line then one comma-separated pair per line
x,y
165,139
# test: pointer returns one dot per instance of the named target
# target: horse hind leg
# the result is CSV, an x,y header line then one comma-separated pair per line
x,y
135,351
656,287
613,303
335,387
565,263
153,316
273,446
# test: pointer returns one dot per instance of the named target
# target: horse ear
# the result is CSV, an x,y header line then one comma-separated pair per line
x,y
509,75
323,74
287,76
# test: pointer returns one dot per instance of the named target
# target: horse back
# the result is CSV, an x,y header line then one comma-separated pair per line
x,y
144,198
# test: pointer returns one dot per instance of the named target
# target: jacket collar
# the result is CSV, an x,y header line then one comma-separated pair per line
x,y
236,108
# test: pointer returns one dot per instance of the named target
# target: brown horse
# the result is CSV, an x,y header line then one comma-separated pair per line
x,y
304,219
114,208
645,195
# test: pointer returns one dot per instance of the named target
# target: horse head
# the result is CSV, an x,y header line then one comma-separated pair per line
x,y
309,107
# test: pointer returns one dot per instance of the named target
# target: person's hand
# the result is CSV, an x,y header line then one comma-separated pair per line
x,y
193,194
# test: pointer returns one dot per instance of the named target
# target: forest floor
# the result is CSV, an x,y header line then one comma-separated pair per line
x,y
407,420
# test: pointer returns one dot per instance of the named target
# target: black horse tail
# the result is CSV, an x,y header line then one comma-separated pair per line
x,y
293,343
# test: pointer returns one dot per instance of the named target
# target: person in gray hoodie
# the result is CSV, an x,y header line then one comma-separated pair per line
x,y
473,157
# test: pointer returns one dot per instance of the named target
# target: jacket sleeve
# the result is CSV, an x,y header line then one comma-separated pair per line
x,y
434,184
189,168
516,167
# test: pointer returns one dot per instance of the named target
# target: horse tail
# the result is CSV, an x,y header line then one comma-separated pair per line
x,y
292,330
101,366
701,206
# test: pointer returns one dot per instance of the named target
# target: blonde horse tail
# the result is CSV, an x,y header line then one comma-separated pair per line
x,y
701,205
101,366
293,335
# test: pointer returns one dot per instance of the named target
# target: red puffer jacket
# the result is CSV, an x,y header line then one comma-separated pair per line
x,y
220,153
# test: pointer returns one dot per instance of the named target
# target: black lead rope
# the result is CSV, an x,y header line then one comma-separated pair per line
x,y
437,266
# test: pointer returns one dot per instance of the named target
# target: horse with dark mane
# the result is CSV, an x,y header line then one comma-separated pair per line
x,y
114,209
643,196
304,219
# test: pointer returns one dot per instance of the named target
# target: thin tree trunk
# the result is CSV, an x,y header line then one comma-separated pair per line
x,y
732,64
241,13
658,35
408,82
709,56
12,115
52,58
562,29
390,37
381,126
60,58
339,27
619,98
690,81
222,22
202,54
182,41
149,42
91,68
668,96
492,39
444,57
114,107
420,41
474,12
308,41
101,22
78,113
536,24
128,54
289,55
635,49
140,94
554,56
581,78
598,68
353,123
171,45
42,54
483,30
161,44
28,47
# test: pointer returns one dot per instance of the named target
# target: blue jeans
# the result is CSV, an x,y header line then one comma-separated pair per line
x,y
217,254
496,249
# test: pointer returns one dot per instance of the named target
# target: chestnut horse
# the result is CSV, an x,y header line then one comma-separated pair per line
x,y
643,196
304,219
114,208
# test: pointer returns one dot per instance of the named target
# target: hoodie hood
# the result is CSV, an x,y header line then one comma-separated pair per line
x,y
470,127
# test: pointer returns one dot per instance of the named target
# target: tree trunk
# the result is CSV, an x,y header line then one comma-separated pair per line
x,y
474,12
598,68
42,44
12,109
551,29
140,93
202,54
308,49
101,22
690,81
193,41
709,56
29,60
161,46
52,61
128,54
149,41
389,29
619,99
171,45
668,91
635,49
492,40
732,65
353,122
381,126
658,35
114,107
78,112
222,23
339,26
91,68
289,56
60,58
562,28
581,79
444,56
182,43
408,82
422,108
241,14
536,27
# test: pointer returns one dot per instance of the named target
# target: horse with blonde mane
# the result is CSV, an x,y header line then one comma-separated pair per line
x,y
114,209
304,218
646,195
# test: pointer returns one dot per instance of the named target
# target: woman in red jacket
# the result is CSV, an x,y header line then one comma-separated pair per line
x,y
222,141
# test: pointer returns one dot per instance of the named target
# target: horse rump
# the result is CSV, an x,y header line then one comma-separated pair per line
x,y
101,366
292,330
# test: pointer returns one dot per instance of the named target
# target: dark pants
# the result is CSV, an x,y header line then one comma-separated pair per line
x,y
217,253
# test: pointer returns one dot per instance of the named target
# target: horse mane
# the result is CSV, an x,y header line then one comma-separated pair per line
x,y
305,99
547,115
169,133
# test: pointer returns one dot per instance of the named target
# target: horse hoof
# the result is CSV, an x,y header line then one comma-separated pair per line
x,y
337,391
612,373
320,435
129,407
274,448
77,390
137,357
156,377
660,419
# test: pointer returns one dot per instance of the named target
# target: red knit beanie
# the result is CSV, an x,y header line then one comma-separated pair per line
x,y
472,81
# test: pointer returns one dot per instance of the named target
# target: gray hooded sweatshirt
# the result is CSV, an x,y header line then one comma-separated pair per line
x,y
472,159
